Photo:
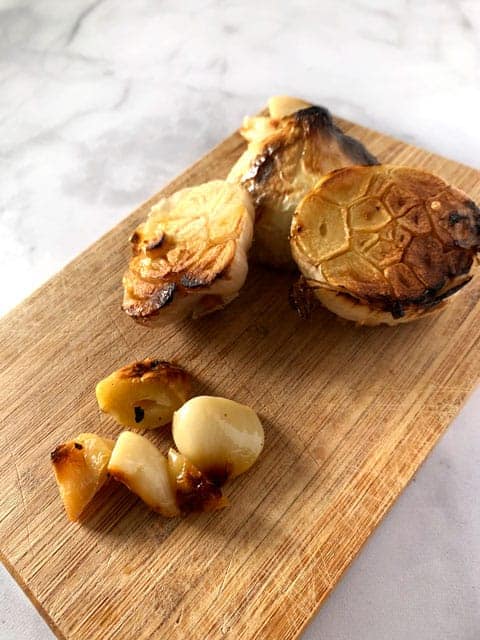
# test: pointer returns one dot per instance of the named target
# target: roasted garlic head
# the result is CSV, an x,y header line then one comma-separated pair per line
x,y
288,152
138,463
80,468
189,257
144,394
220,437
385,244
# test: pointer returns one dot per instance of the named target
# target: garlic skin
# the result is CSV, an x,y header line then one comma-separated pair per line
x,y
220,437
138,463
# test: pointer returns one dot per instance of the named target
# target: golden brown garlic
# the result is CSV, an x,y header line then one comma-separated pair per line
x,y
189,257
385,244
80,468
193,490
144,394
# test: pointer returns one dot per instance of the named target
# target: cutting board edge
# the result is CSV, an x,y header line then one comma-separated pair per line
x,y
31,596
374,526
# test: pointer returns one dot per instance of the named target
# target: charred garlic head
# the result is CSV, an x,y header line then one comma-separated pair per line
x,y
190,255
385,244
287,154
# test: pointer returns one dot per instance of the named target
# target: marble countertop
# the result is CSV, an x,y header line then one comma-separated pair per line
x,y
103,102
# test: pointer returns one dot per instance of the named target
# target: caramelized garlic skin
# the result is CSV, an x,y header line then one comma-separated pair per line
x,y
221,437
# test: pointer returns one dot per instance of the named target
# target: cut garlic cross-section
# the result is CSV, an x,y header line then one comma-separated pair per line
x,y
190,255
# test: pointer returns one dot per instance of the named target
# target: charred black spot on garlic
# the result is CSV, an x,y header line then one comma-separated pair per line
x,y
320,118
59,454
456,217
470,204
135,237
397,310
141,367
161,298
164,296
218,475
453,290
302,298
314,116
137,369
77,445
355,149
261,169
431,297
156,243
139,414
192,282
195,492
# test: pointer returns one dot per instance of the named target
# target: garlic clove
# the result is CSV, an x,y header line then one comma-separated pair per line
x,y
80,468
144,394
138,463
220,437
193,490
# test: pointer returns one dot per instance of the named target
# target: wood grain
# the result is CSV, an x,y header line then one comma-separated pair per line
x,y
350,413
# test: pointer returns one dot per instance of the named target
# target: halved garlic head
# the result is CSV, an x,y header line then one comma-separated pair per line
x,y
189,257
221,437
138,463
80,468
144,394
193,490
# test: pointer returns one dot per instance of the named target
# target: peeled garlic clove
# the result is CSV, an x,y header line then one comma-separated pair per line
x,y
80,468
281,106
144,394
221,437
138,463
193,490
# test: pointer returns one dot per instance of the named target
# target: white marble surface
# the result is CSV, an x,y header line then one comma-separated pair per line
x,y
102,102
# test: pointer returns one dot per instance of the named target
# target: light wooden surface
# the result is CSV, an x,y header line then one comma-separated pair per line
x,y
349,413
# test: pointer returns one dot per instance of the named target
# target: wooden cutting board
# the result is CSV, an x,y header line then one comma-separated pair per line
x,y
350,413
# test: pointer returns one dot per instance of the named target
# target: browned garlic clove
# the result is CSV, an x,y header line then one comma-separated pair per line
x,y
80,468
193,490
220,437
144,394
